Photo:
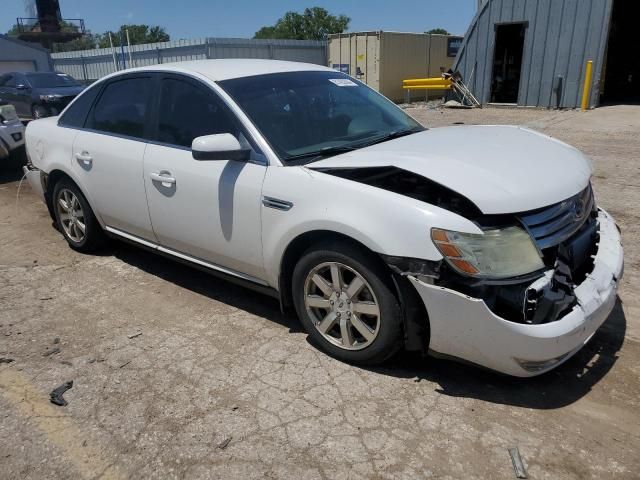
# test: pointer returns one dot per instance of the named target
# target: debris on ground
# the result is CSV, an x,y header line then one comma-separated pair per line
x,y
56,340
455,104
125,364
225,443
6,360
134,335
56,395
53,351
66,362
518,465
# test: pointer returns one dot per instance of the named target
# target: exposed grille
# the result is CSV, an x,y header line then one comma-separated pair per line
x,y
552,225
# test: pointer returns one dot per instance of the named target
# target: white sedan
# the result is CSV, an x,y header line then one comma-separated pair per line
x,y
482,243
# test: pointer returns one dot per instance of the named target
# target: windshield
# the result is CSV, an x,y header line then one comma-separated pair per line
x,y
46,80
307,115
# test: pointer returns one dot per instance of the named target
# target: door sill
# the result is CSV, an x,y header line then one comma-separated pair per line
x,y
231,275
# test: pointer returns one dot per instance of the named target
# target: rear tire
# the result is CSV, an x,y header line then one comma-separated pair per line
x,y
359,320
75,219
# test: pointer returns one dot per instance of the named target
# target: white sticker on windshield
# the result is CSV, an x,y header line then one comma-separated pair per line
x,y
343,82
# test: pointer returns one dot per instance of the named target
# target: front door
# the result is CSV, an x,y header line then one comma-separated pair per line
x,y
207,210
9,93
108,155
23,96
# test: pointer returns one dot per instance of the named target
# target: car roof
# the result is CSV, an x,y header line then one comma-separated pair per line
x,y
225,69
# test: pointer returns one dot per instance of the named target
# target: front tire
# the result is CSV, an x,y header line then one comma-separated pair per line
x,y
75,219
344,298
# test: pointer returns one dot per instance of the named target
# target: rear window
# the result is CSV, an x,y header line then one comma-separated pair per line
x,y
122,107
76,115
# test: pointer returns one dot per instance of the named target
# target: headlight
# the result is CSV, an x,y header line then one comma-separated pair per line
x,y
50,98
498,253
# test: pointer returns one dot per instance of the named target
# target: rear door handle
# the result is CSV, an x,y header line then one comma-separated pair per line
x,y
164,177
84,158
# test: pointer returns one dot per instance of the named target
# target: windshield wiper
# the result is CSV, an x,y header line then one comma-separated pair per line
x,y
323,152
329,151
391,136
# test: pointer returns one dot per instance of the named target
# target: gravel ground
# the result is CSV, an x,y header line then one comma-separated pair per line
x,y
220,384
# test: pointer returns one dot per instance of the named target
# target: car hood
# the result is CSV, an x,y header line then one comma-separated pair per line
x,y
64,91
501,169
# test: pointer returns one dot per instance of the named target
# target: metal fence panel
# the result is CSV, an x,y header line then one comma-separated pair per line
x,y
90,65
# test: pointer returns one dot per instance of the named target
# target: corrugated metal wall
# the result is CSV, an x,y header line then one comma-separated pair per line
x,y
383,59
406,56
560,37
90,65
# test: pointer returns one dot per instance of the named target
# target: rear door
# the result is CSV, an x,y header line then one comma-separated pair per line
x,y
207,210
108,154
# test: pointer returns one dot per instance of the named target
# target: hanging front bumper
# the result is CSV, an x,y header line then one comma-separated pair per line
x,y
464,327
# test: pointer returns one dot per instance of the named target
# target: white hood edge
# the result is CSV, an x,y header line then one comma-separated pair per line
x,y
501,169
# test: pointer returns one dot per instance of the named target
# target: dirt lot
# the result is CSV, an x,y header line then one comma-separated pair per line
x,y
220,384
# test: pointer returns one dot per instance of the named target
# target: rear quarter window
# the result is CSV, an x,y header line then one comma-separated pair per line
x,y
76,115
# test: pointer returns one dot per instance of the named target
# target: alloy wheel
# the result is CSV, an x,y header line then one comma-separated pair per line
x,y
342,305
71,215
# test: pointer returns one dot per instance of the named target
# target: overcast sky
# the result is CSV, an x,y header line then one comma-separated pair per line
x,y
241,18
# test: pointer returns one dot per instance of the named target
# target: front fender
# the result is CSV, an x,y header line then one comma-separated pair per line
x,y
385,222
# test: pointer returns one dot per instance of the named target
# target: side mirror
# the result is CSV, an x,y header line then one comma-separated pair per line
x,y
222,146
21,86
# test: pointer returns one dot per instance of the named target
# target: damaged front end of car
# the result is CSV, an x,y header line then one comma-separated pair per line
x,y
565,238
536,286
522,296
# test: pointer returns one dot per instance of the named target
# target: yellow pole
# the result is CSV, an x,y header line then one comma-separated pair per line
x,y
587,86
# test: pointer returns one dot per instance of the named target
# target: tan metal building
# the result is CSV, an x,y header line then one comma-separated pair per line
x,y
383,59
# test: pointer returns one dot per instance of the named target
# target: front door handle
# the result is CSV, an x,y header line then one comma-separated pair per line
x,y
163,176
84,158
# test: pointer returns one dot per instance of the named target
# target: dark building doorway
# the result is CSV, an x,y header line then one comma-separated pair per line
x,y
507,62
622,73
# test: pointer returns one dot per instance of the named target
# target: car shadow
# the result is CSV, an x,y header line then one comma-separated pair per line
x,y
203,283
558,388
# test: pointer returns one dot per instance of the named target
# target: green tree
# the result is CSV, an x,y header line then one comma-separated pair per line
x,y
137,34
85,42
438,31
13,31
313,24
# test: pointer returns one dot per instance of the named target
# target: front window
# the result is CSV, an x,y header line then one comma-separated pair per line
x,y
51,80
307,115
187,112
